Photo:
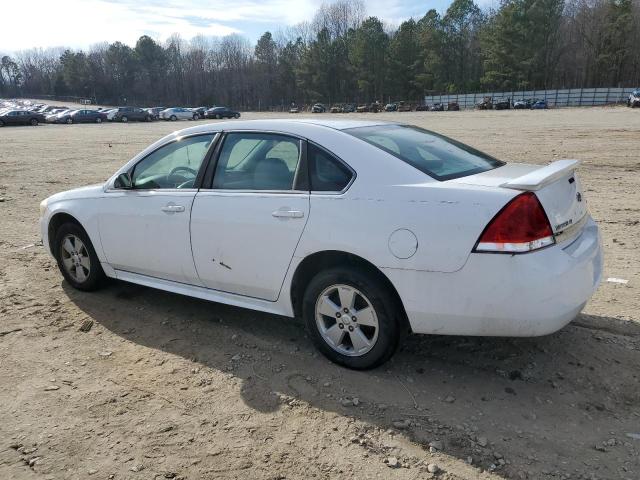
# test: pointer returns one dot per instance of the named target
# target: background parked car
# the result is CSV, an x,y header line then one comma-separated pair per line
x,y
485,104
436,107
337,108
453,107
21,117
222,112
318,108
199,111
177,113
391,107
404,107
503,104
155,112
540,105
349,108
422,108
522,104
634,99
81,116
128,114
363,108
294,109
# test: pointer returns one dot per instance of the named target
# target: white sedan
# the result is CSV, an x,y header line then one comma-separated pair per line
x,y
178,113
366,230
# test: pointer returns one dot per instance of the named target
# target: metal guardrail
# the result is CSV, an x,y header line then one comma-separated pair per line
x,y
571,97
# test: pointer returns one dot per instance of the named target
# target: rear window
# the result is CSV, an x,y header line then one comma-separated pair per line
x,y
436,155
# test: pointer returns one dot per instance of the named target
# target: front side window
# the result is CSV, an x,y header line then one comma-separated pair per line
x,y
436,155
175,165
257,161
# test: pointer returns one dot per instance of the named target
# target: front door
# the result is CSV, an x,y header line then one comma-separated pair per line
x,y
245,228
145,229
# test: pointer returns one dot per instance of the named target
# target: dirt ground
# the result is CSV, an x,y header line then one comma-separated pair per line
x,y
164,386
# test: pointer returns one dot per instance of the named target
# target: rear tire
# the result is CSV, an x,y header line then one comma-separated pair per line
x,y
69,121
195,116
367,333
34,122
98,120
173,118
124,119
237,115
1,123
77,259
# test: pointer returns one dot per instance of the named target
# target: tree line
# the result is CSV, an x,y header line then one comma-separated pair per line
x,y
343,55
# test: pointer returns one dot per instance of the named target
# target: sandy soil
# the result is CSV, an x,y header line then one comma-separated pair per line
x,y
164,386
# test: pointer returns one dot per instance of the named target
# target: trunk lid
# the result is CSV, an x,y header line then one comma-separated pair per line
x,y
556,185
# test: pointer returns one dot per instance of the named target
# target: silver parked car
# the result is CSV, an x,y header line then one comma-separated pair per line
x,y
178,113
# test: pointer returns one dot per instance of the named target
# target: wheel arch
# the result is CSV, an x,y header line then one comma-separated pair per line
x,y
322,260
56,221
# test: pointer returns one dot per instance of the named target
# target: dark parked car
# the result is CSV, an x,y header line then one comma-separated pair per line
x,y
634,99
485,104
363,108
540,105
436,107
81,116
422,108
337,108
129,114
222,112
318,108
453,107
349,108
20,117
522,104
200,111
503,104
404,107
391,107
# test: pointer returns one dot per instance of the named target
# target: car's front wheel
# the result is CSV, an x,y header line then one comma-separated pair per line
x,y
76,258
352,318
34,122
124,119
69,121
173,118
98,120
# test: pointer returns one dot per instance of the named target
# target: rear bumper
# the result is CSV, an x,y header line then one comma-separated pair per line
x,y
505,295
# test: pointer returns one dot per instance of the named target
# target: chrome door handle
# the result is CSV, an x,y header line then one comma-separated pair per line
x,y
172,208
288,214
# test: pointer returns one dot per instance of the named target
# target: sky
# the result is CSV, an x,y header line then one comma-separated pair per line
x,y
82,23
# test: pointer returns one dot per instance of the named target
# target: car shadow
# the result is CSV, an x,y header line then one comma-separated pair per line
x,y
489,398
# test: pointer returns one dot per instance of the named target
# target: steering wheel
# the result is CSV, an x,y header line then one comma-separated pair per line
x,y
179,179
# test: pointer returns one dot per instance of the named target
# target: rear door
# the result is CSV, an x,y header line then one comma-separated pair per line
x,y
247,224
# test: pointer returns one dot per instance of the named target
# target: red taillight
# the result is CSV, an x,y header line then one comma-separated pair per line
x,y
521,226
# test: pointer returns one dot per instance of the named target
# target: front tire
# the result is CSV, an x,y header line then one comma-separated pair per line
x,y
34,122
237,115
173,118
69,121
77,259
352,318
98,120
124,119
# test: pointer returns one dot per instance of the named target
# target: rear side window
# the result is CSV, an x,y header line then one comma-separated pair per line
x,y
436,155
326,172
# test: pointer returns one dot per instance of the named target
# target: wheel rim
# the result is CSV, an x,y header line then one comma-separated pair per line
x,y
34,122
75,258
98,120
346,320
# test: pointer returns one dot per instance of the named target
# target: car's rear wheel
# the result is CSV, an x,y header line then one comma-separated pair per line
x,y
77,259
173,118
69,121
237,115
195,116
1,123
351,317
98,120
218,117
124,119
34,122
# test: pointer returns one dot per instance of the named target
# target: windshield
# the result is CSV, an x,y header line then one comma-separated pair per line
x,y
436,155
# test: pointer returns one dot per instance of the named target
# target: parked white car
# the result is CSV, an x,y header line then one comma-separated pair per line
x,y
178,113
365,229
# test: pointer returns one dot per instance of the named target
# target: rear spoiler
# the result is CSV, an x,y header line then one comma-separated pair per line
x,y
543,176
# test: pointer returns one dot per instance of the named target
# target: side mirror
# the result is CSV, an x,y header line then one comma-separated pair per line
x,y
123,181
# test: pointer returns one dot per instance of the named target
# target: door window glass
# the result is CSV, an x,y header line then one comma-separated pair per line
x,y
257,161
175,165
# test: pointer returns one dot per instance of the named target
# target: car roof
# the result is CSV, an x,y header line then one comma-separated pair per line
x,y
296,126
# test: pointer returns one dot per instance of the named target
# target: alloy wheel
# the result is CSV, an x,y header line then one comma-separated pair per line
x,y
346,320
75,258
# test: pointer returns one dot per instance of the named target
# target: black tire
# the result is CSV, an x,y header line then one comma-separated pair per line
x,y
218,117
34,122
1,123
195,116
237,115
173,118
124,119
384,305
147,118
96,275
69,121
98,120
